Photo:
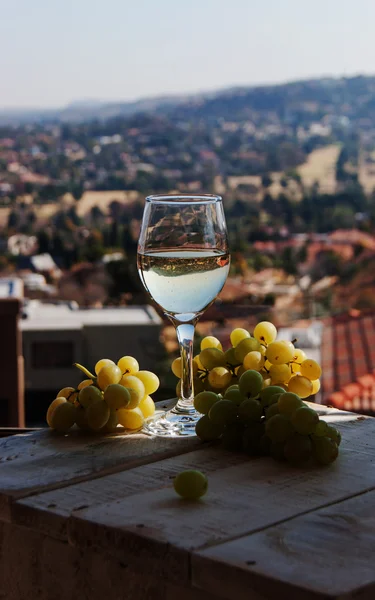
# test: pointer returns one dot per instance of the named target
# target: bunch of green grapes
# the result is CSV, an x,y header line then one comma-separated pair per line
x,y
266,421
118,394
277,361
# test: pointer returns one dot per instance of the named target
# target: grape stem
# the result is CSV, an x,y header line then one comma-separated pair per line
x,y
84,370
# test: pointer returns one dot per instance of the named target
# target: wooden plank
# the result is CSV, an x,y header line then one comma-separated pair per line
x,y
48,512
158,528
35,462
36,567
328,553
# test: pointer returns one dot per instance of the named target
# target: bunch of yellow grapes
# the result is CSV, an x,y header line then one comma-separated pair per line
x,y
118,394
278,362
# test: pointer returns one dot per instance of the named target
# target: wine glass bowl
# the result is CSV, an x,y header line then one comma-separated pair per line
x,y
183,262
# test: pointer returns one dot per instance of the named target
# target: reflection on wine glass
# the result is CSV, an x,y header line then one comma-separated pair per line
x,y
183,262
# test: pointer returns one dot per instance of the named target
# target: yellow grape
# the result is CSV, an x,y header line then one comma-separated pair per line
x,y
265,332
197,361
69,393
311,369
299,356
315,386
262,350
104,362
178,389
107,375
128,365
219,378
130,419
280,373
111,424
147,406
149,380
279,353
300,385
97,415
85,383
253,360
266,381
89,395
210,342
136,389
117,396
238,335
177,367
52,407
267,365
63,417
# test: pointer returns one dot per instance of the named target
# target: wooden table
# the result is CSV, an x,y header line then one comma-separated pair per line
x,y
96,518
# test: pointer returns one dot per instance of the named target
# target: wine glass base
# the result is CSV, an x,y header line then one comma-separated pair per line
x,y
173,424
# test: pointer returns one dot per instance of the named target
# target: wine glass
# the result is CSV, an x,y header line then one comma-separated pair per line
x,y
183,262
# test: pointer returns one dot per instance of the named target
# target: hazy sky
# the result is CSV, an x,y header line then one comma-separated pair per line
x,y
53,52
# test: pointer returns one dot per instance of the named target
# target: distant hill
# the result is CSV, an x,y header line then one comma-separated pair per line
x,y
352,97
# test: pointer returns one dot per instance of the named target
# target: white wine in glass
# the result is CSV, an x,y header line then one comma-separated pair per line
x,y
183,262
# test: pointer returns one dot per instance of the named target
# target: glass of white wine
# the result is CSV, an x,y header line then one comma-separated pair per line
x,y
183,262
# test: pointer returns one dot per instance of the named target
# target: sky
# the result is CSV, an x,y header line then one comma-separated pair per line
x,y
54,52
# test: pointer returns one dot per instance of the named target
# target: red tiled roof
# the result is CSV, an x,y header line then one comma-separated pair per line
x,y
348,361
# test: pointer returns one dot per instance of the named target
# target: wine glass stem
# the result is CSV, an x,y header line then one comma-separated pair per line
x,y
185,336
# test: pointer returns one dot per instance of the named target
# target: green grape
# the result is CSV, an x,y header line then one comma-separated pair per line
x,y
300,385
250,384
325,450
298,449
107,375
52,407
253,360
230,358
149,380
265,332
116,396
67,392
223,412
279,428
89,395
247,345
232,387
321,429
238,335
315,387
211,358
271,410
190,485
268,393
250,410
63,416
279,353
288,403
136,389
128,365
305,420
97,415
85,383
131,419
208,431
277,451
210,342
232,437
104,362
219,378
204,401
334,434
81,418
198,385
310,369
252,439
234,395
240,371
280,373
111,425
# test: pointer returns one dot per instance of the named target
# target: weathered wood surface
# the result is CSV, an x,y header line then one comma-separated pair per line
x,y
99,515
45,460
326,553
